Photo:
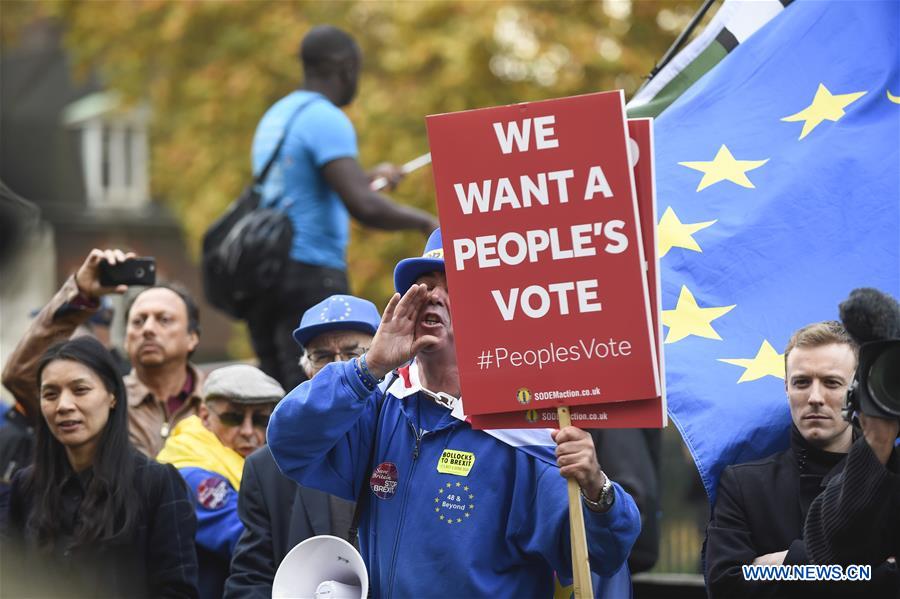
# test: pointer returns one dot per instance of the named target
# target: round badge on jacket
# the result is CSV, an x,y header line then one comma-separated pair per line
x,y
212,492
384,480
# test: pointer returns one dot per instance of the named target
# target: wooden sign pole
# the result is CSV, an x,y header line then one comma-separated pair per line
x,y
581,569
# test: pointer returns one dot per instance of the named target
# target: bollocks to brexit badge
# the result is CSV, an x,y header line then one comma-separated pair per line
x,y
456,462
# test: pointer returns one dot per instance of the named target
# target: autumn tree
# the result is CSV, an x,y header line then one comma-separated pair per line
x,y
210,69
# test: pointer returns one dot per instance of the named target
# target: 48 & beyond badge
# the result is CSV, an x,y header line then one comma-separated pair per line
x,y
454,503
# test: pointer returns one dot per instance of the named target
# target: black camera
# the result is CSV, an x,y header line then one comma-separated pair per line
x,y
872,318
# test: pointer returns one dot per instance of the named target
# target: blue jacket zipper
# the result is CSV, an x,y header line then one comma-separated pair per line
x,y
409,478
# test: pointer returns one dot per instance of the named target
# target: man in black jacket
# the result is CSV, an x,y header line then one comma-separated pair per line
x,y
761,506
856,519
277,512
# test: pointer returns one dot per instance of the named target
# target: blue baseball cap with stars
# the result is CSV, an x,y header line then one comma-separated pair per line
x,y
410,269
337,313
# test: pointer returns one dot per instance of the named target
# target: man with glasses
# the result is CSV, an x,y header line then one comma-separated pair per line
x,y
209,450
276,512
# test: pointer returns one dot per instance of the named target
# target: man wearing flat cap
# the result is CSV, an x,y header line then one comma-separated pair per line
x,y
209,450
277,513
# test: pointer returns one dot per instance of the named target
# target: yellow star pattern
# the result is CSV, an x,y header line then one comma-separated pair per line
x,y
724,167
768,362
825,107
672,233
688,318
455,503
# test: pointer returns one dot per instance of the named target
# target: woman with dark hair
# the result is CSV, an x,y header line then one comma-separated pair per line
x,y
93,514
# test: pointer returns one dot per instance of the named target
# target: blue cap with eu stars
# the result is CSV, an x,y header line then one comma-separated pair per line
x,y
410,269
337,313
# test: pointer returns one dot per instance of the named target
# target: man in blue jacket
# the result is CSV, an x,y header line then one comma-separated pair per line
x,y
448,511
209,450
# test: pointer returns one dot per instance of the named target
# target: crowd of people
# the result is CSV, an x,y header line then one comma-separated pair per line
x,y
171,481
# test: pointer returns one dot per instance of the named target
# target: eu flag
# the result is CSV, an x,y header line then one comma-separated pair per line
x,y
779,187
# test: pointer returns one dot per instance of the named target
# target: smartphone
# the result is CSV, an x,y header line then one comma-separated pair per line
x,y
136,271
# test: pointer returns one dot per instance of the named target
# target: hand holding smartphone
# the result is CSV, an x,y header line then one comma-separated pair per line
x,y
112,271
134,271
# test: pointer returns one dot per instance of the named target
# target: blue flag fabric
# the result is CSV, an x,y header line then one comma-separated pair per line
x,y
779,188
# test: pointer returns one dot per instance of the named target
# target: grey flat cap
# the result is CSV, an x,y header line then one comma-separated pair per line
x,y
242,383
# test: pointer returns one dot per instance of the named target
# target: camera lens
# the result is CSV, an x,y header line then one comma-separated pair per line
x,y
884,378
139,272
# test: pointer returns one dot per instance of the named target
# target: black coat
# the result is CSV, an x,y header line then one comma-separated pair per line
x,y
760,508
277,514
631,457
856,520
155,559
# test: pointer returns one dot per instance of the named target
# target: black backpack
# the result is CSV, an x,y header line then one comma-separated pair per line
x,y
245,250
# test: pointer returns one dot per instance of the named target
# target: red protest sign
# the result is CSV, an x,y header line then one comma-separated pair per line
x,y
642,145
650,413
644,413
543,254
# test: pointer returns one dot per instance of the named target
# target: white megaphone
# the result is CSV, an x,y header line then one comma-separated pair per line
x,y
322,567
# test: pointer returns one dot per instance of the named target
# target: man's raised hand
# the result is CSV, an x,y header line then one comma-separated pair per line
x,y
395,342
87,278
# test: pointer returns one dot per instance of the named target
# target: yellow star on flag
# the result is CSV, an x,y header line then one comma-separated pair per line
x,y
768,362
688,318
672,233
825,107
724,167
560,591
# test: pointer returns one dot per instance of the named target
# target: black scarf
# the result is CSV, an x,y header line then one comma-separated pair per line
x,y
813,465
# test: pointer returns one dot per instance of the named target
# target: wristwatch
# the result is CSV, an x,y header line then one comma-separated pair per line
x,y
606,499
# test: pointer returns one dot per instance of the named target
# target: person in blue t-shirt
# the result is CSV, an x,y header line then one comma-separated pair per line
x,y
318,182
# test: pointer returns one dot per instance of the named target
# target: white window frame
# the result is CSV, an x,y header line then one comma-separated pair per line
x,y
128,184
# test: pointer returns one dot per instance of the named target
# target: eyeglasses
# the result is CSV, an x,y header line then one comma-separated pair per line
x,y
321,358
235,419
